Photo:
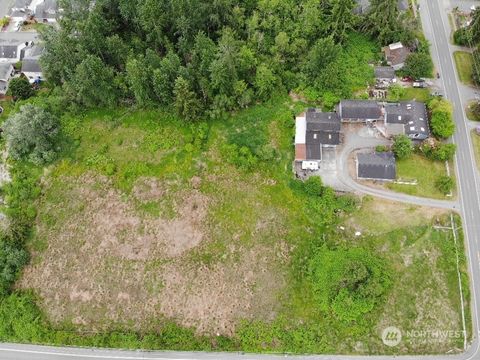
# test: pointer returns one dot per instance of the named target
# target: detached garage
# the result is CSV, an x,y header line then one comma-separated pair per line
x,y
376,166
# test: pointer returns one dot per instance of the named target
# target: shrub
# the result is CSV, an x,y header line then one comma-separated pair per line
x,y
402,147
31,134
395,92
313,186
12,259
462,37
445,184
439,151
20,88
349,282
441,120
241,157
381,148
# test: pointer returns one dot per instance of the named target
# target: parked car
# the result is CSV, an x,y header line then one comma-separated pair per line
x,y
437,93
407,79
420,84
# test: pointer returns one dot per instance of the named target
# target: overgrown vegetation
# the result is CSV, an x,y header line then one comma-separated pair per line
x,y
209,59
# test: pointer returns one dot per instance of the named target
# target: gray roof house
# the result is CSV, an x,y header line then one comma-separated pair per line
x,y
360,110
314,130
31,62
21,5
396,54
376,166
386,73
47,11
363,5
409,118
6,73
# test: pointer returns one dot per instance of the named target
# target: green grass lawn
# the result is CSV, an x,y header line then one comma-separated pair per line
x,y
464,64
476,146
425,171
418,94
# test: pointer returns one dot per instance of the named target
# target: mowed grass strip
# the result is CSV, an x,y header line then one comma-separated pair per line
x,y
464,64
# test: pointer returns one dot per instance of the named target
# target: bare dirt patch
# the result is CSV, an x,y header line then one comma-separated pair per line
x,y
107,265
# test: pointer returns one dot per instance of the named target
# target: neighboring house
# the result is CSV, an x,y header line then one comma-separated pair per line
x,y
384,77
384,73
407,117
12,44
21,5
32,70
6,73
363,6
314,131
47,11
360,111
31,63
376,166
396,54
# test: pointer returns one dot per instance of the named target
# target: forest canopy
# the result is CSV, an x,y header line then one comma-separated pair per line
x,y
208,57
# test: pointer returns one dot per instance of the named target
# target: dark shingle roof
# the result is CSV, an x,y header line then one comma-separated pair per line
x,y
313,151
5,71
324,121
360,109
8,51
31,65
413,114
380,166
384,72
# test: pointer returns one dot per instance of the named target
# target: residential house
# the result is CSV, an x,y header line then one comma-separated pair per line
x,y
376,166
407,117
47,11
396,54
12,44
6,73
360,111
384,73
31,63
315,130
364,5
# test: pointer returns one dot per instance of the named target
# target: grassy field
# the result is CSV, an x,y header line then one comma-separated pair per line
x,y
424,171
418,94
152,233
464,63
476,147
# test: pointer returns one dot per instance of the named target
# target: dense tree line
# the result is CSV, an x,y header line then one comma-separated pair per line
x,y
470,36
207,57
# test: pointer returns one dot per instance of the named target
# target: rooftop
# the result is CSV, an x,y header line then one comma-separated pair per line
x,y
412,114
5,71
376,166
396,53
31,65
322,121
360,109
384,72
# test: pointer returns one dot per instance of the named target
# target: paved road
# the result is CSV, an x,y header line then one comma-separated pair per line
x,y
435,26
435,22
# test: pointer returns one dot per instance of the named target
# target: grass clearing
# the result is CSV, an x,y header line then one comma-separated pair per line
x,y
418,94
464,64
425,171
159,242
476,146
